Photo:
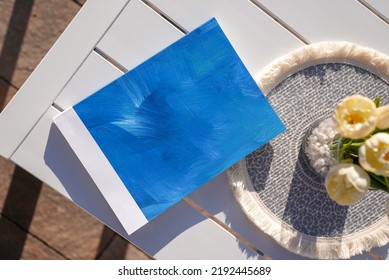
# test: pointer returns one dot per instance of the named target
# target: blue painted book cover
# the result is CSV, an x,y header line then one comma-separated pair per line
x,y
163,129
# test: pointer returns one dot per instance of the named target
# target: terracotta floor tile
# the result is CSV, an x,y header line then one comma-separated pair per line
x,y
6,173
6,93
121,249
16,243
81,2
28,30
36,250
21,198
68,228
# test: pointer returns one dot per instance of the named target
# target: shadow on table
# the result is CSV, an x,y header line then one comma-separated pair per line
x,y
312,212
308,209
216,198
234,213
151,238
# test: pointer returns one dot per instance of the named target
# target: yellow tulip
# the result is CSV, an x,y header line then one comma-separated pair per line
x,y
355,117
374,154
383,117
347,183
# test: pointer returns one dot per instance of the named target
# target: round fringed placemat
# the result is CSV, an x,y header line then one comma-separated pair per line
x,y
275,186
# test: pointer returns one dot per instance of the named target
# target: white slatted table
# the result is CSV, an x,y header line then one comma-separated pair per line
x,y
109,37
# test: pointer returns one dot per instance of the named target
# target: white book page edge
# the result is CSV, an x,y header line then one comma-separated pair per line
x,y
101,171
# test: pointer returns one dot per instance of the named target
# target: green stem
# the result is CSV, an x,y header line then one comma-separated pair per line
x,y
357,144
345,146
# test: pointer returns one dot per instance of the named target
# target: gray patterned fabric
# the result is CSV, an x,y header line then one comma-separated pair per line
x,y
280,171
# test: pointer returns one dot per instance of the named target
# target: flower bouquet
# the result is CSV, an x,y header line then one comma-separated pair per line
x,y
361,148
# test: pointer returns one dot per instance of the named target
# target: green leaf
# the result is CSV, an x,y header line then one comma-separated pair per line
x,y
377,186
377,101
378,182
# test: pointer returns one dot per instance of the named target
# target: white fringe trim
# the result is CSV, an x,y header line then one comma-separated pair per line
x,y
310,246
323,52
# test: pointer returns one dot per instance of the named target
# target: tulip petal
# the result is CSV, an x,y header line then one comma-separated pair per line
x,y
347,183
355,117
373,155
383,117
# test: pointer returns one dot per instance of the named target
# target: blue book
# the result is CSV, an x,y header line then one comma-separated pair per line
x,y
163,129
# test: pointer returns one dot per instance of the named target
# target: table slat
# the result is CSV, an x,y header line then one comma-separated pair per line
x,y
136,35
217,198
332,20
257,38
30,155
382,6
190,236
96,69
42,87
